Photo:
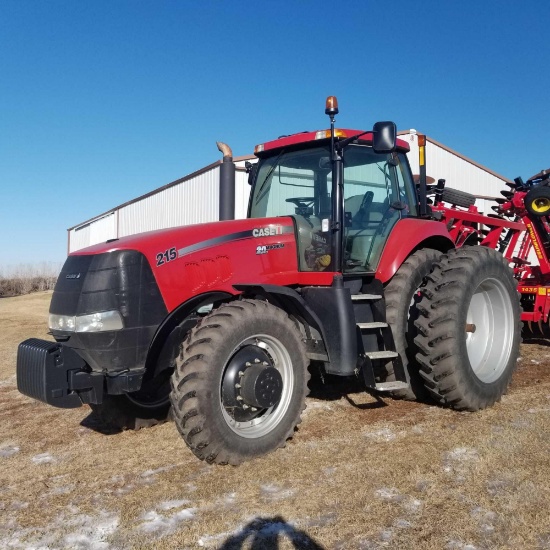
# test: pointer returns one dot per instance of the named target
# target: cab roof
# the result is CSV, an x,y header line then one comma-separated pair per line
x,y
320,136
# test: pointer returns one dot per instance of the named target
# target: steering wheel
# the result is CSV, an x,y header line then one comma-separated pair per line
x,y
299,201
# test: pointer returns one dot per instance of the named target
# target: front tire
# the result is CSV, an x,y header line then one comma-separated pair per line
x,y
240,382
469,329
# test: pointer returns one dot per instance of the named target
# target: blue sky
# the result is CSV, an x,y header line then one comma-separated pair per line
x,y
103,101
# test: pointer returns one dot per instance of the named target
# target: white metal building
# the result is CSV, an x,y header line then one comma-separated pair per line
x,y
194,198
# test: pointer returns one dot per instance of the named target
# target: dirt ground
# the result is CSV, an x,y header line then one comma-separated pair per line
x,y
360,473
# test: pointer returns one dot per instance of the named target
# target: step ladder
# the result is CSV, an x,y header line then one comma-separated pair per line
x,y
379,327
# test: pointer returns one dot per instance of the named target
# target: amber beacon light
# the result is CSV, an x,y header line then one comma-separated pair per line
x,y
331,107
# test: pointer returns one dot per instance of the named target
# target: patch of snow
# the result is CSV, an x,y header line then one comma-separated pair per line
x,y
386,535
149,473
43,458
389,493
401,523
18,505
458,458
153,522
8,450
8,381
412,505
382,435
417,430
62,490
535,362
171,504
319,521
274,492
77,531
459,545
316,405
329,471
91,532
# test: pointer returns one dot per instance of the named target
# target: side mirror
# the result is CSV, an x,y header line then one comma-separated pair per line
x,y
383,136
251,170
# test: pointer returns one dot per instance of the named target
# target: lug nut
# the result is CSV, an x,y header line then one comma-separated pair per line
x,y
239,398
237,386
247,364
253,409
241,373
256,360
245,406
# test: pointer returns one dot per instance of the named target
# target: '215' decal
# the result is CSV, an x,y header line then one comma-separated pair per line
x,y
166,256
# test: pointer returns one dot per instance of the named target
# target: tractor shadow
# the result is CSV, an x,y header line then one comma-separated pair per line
x,y
328,387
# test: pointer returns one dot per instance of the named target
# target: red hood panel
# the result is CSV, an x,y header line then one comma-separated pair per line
x,y
196,259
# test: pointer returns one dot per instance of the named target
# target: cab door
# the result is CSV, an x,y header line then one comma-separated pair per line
x,y
378,191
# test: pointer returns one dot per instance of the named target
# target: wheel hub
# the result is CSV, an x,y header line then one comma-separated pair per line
x,y
250,384
261,386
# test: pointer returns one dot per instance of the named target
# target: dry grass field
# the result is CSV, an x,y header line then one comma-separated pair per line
x,y
360,473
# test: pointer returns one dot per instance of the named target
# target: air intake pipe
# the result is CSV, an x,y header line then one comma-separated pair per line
x,y
227,183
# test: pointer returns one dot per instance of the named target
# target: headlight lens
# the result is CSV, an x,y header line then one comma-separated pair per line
x,y
94,322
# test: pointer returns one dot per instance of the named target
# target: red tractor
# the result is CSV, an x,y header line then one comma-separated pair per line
x,y
341,262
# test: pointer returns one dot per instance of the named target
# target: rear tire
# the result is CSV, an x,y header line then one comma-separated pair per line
x,y
402,295
469,329
215,359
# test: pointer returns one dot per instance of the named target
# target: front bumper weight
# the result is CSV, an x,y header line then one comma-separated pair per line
x,y
56,374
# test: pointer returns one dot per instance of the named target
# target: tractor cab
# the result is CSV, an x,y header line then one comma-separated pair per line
x,y
343,194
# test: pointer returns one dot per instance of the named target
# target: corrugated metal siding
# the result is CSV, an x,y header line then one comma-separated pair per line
x,y
242,192
190,202
458,172
97,231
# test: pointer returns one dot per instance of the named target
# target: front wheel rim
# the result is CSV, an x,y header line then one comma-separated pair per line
x,y
270,418
489,330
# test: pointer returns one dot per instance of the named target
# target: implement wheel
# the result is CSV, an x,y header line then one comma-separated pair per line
x,y
469,328
537,201
240,382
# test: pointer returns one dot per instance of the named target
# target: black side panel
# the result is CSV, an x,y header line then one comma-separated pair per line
x,y
120,280
334,308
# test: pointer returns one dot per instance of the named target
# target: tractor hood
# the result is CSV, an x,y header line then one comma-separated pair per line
x,y
186,261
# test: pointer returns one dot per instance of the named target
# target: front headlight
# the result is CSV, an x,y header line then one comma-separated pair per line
x,y
94,322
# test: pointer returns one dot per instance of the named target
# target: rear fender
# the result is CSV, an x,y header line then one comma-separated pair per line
x,y
408,235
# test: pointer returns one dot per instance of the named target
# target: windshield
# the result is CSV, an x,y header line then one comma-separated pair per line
x,y
296,182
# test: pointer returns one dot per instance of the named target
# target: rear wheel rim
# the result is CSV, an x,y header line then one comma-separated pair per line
x,y
268,419
490,344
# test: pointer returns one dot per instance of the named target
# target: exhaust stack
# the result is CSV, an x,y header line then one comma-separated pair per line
x,y
227,183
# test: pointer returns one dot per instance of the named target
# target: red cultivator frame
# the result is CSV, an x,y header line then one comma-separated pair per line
x,y
520,230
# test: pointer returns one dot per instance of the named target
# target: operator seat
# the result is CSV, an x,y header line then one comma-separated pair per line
x,y
368,232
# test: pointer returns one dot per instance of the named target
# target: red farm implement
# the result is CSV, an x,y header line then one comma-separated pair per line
x,y
519,229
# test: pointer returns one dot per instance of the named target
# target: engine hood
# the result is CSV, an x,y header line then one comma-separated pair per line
x,y
191,260
182,237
